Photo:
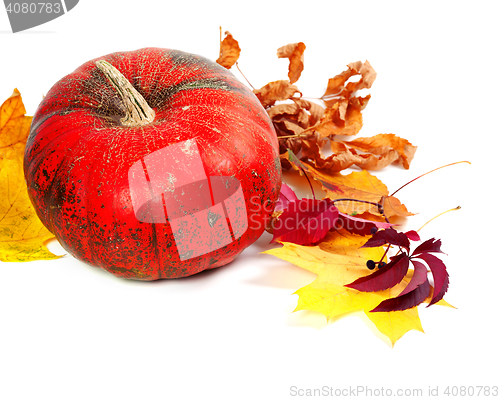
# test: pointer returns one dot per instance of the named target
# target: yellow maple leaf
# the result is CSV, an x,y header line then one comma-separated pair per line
x,y
22,234
337,261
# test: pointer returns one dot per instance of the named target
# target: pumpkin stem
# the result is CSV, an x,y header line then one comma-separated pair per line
x,y
138,112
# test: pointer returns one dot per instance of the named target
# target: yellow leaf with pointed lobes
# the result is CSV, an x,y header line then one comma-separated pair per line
x,y
22,234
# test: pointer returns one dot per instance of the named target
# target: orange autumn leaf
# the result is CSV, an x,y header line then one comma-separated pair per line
x,y
14,125
229,51
295,53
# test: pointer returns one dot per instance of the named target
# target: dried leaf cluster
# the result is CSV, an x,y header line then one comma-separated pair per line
x,y
306,127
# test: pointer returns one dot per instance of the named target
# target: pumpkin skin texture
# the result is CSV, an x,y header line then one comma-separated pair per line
x,y
80,161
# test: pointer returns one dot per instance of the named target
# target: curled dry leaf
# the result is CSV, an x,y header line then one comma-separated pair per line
x,y
295,53
343,117
229,51
385,144
343,109
376,153
275,91
339,89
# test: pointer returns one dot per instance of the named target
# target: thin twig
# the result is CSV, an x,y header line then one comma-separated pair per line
x,y
242,74
300,134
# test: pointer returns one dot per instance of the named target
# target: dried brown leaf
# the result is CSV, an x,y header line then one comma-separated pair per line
x,y
295,53
384,144
276,91
368,76
315,110
312,155
344,158
229,51
337,86
283,110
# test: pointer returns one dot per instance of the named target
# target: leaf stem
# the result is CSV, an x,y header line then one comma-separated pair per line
x,y
435,169
242,74
386,251
308,181
303,133
444,212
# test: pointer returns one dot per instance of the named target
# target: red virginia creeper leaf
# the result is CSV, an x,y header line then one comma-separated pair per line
x,y
390,236
440,275
383,278
419,277
408,300
305,221
413,294
429,246
412,235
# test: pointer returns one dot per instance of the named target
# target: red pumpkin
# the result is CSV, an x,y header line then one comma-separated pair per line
x,y
171,175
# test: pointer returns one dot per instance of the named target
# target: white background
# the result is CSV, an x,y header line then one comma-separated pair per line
x,y
70,331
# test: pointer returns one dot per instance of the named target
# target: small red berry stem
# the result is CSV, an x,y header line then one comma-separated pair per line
x,y
386,251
